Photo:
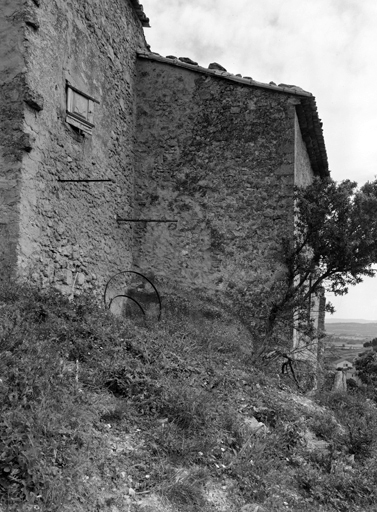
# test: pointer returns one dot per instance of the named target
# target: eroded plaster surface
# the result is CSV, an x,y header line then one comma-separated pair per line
x,y
67,233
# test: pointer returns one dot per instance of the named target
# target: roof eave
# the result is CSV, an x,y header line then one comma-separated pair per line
x,y
312,134
294,91
144,20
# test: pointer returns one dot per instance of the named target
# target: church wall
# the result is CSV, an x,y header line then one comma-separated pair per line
x,y
69,236
13,141
217,157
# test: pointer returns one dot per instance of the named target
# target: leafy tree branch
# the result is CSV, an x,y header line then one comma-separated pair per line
x,y
333,247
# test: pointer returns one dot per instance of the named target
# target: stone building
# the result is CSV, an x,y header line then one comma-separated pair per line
x,y
114,158
347,367
219,154
67,111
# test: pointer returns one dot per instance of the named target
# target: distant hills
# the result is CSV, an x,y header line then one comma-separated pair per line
x,y
331,320
362,329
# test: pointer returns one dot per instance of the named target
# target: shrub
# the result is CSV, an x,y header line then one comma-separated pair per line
x,y
359,419
366,366
352,384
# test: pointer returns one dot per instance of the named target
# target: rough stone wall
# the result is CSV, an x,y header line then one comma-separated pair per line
x,y
68,231
218,157
303,168
13,141
304,348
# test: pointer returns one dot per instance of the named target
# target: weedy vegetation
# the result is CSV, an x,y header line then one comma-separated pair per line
x,y
100,413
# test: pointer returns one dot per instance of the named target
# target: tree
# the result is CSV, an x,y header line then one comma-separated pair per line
x,y
336,238
366,366
372,343
334,247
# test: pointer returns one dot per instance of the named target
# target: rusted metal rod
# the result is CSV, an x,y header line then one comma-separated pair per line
x,y
81,181
145,220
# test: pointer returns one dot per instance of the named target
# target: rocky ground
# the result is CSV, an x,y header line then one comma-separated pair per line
x,y
100,414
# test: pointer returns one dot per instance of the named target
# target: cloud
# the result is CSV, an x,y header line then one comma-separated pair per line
x,y
327,47
360,302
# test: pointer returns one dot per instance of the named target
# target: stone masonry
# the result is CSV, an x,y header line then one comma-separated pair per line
x,y
14,142
65,233
219,155
199,163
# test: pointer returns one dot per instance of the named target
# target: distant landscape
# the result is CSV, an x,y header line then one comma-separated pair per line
x,y
345,338
331,320
353,329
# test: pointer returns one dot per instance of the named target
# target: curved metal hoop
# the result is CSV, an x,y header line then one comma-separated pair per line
x,y
141,275
128,297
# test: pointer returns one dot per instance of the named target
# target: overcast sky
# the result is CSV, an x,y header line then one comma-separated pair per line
x,y
327,47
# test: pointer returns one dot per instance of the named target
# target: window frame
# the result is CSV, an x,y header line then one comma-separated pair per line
x,y
84,121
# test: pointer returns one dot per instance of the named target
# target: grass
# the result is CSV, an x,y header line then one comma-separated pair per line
x,y
99,413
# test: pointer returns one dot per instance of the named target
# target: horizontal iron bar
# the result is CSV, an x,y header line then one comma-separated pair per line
x,y
82,181
146,220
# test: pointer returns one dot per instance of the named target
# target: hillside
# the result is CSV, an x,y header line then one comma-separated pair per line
x,y
332,320
352,329
103,414
345,339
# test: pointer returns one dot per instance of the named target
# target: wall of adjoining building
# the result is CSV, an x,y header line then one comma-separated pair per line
x,y
306,348
13,142
68,234
219,158
303,170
